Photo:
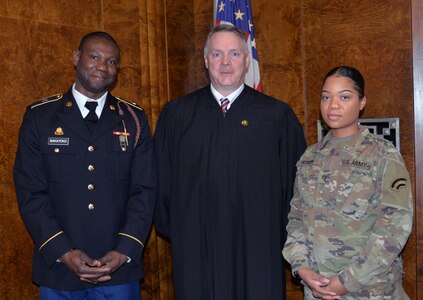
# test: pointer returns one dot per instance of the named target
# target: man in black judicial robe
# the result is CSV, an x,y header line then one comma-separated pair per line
x,y
225,180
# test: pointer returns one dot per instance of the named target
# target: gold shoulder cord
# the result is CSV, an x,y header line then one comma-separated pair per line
x,y
50,99
133,104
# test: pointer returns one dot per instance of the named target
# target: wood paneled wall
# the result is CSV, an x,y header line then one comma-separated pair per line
x,y
298,41
37,40
375,37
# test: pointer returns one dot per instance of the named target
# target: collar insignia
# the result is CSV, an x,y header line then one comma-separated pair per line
x,y
59,131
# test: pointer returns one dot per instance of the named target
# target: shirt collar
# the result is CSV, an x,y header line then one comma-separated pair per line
x,y
232,96
348,143
81,99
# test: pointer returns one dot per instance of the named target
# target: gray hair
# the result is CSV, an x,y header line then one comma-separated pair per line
x,y
226,28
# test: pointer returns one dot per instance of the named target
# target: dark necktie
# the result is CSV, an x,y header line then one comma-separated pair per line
x,y
224,102
91,119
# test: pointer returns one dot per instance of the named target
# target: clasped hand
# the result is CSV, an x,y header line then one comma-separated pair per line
x,y
93,270
321,286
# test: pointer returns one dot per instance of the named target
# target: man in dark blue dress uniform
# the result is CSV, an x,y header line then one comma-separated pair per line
x,y
84,177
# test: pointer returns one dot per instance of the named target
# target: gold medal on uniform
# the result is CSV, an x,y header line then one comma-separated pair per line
x,y
123,139
122,142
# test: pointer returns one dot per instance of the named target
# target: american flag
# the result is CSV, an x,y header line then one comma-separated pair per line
x,y
238,13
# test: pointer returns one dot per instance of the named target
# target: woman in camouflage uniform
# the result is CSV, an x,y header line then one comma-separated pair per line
x,y
352,209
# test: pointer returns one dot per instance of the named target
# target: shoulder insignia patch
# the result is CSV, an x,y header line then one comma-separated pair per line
x,y
46,100
398,184
133,104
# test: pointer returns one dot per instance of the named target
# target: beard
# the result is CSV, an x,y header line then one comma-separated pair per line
x,y
96,87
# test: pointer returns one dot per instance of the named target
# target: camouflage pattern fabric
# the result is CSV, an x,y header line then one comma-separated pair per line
x,y
351,215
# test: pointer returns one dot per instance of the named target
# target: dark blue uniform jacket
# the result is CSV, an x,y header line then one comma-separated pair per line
x,y
81,191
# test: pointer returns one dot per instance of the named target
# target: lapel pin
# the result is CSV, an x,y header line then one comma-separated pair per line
x,y
245,123
68,104
112,107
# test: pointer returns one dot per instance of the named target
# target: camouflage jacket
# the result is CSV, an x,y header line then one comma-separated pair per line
x,y
352,211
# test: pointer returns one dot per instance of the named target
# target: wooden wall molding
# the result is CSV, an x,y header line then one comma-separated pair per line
x,y
417,37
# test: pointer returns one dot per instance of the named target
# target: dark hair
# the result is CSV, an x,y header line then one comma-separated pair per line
x,y
96,34
226,28
351,73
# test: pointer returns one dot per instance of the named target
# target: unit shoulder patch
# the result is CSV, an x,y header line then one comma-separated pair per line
x,y
133,104
46,100
398,184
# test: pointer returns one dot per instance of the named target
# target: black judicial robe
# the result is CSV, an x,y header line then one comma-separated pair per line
x,y
225,183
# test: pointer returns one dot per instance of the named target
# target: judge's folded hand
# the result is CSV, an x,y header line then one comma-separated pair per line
x,y
318,284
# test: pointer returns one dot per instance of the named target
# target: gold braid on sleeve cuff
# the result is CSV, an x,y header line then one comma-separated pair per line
x,y
49,239
132,237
